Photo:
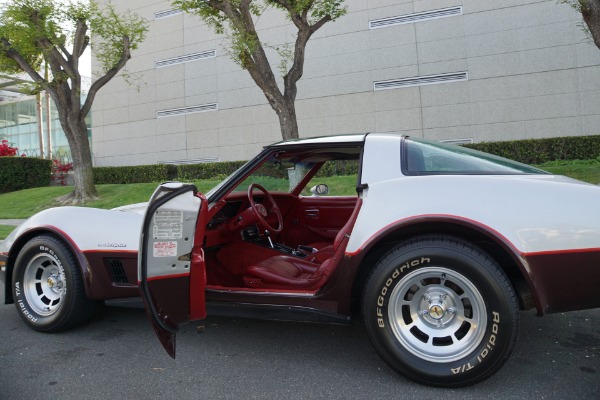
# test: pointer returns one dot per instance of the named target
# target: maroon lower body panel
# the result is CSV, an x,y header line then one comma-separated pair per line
x,y
567,280
174,294
197,280
173,309
111,275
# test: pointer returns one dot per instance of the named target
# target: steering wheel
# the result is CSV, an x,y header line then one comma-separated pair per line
x,y
261,211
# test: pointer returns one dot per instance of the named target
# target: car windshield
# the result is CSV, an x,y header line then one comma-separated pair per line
x,y
277,175
424,157
284,171
224,181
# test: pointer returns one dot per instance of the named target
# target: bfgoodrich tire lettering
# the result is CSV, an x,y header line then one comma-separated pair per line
x,y
440,311
47,286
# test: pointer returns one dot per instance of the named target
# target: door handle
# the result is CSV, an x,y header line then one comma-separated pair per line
x,y
313,213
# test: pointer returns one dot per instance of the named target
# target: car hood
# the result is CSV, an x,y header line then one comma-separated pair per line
x,y
138,208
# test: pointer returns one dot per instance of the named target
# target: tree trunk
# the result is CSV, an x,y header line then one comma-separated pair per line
x,y
590,10
40,123
83,185
48,128
288,121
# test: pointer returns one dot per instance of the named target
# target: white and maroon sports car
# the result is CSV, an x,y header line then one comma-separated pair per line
x,y
435,248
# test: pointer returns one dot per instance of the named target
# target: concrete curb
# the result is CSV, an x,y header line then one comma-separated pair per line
x,y
13,222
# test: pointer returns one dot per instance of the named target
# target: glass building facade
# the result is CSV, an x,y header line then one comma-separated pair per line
x,y
19,125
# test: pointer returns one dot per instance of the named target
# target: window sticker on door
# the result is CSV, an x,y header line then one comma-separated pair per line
x,y
164,249
168,225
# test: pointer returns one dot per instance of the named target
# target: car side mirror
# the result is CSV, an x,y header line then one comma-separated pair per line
x,y
320,190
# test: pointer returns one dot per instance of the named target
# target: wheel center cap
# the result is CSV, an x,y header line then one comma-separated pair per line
x,y
54,282
436,311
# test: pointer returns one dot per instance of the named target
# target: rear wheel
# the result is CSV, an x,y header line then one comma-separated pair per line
x,y
48,288
440,311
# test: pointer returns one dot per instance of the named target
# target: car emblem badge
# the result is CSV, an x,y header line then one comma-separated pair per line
x,y
436,312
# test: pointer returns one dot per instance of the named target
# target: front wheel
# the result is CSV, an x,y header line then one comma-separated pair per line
x,y
48,288
440,311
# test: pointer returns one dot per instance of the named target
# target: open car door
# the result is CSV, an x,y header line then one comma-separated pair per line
x,y
171,269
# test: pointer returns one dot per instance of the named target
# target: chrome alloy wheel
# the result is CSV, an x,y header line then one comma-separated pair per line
x,y
44,284
437,314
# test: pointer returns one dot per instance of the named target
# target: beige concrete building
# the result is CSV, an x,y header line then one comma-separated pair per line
x,y
480,70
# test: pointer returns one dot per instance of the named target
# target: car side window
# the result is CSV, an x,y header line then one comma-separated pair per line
x,y
434,158
340,176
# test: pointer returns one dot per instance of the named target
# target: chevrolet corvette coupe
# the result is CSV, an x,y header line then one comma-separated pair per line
x,y
434,247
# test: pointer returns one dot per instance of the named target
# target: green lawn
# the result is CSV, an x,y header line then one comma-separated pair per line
x,y
25,203
584,170
5,230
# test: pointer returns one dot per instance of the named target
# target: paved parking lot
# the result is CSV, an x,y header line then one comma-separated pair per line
x,y
117,357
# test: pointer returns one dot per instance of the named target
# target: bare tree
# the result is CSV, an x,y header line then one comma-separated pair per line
x,y
236,18
56,33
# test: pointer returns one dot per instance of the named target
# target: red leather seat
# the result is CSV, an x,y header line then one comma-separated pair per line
x,y
302,273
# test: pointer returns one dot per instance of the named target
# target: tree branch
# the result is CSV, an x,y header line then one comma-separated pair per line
x,y
103,80
296,19
305,15
65,52
47,45
246,17
297,69
10,52
317,25
216,4
55,55
81,39
259,67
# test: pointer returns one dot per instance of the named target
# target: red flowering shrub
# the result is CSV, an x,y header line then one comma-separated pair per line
x,y
60,171
6,150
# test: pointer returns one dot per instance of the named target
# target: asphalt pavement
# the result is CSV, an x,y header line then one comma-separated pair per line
x,y
116,356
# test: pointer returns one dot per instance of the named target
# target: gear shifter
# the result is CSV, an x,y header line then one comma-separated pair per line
x,y
268,235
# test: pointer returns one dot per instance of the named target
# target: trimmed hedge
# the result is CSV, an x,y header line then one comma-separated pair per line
x,y
539,151
216,170
220,170
135,174
18,173
340,167
194,172
530,151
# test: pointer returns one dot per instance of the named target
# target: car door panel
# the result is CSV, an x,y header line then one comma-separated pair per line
x,y
171,269
317,219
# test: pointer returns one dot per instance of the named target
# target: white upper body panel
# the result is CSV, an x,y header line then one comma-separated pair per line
x,y
90,229
381,158
534,213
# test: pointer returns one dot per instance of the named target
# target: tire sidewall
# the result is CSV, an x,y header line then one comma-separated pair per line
x,y
499,331
28,314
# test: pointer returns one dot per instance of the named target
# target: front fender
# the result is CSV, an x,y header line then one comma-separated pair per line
x,y
84,230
